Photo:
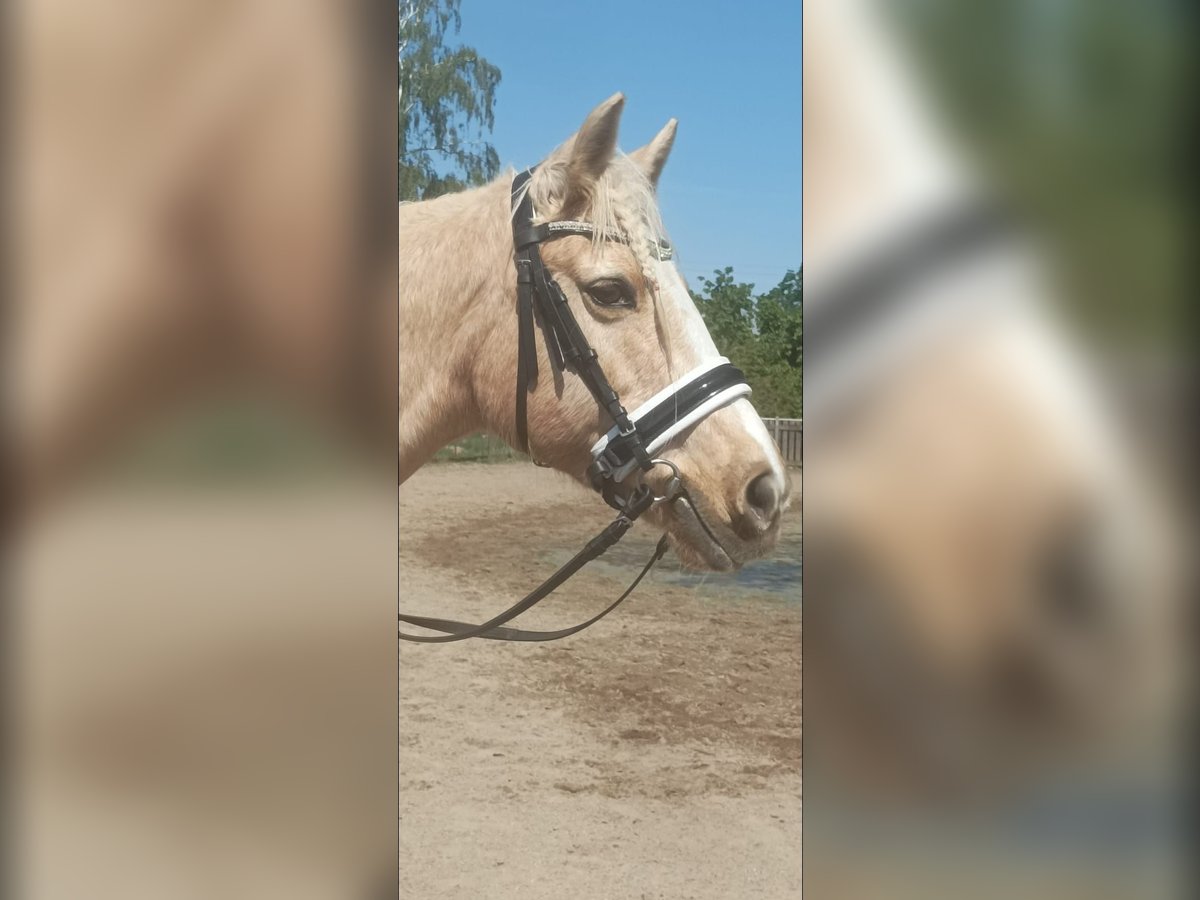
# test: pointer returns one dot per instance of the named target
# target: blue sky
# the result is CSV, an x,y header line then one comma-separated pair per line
x,y
730,72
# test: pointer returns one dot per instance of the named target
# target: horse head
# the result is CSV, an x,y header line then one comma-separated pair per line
x,y
609,265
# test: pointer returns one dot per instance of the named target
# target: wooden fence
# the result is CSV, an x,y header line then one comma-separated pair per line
x,y
485,448
789,438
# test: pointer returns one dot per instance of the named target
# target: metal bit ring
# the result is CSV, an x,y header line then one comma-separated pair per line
x,y
674,483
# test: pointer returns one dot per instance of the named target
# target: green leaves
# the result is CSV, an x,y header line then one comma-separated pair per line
x,y
763,335
1075,110
727,308
447,98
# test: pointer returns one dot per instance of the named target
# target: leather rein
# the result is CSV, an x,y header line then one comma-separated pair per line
x,y
628,446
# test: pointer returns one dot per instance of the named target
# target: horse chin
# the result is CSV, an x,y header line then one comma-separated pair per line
x,y
697,545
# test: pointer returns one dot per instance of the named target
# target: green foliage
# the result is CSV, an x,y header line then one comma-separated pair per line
x,y
1075,108
478,447
447,97
763,335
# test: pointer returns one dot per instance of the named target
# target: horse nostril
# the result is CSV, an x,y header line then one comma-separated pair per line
x,y
1073,587
763,495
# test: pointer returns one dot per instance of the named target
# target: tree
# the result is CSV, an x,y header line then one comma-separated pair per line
x,y
1075,110
763,336
447,98
779,318
728,309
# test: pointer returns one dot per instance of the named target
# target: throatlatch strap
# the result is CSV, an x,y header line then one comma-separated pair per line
x,y
527,364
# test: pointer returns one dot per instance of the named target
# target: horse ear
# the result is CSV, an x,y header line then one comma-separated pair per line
x,y
651,158
590,152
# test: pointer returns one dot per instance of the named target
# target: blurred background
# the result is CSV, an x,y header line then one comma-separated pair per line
x,y
998,629
201,399
202,529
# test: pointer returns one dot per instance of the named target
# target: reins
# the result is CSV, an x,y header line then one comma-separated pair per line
x,y
494,629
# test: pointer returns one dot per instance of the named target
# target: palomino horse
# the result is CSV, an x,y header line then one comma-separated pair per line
x,y
459,338
983,571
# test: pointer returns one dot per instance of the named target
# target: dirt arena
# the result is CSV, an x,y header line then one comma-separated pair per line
x,y
656,755
202,670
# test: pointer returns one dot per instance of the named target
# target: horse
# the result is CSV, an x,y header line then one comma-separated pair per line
x,y
459,343
987,579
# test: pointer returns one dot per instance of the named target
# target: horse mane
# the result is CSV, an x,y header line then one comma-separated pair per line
x,y
622,202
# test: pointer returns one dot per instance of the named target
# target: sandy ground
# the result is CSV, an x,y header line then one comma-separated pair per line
x,y
656,755
203,678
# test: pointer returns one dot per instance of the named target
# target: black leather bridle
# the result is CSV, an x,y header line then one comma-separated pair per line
x,y
629,445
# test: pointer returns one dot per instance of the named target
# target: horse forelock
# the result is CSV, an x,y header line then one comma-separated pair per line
x,y
622,201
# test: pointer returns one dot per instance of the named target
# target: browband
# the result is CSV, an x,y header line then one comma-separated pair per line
x,y
528,235
536,234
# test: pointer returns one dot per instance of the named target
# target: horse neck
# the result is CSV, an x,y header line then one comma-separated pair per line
x,y
455,271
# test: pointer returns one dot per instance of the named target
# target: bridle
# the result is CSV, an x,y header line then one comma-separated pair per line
x,y
628,446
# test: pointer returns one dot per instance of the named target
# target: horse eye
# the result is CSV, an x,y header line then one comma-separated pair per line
x,y
611,293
